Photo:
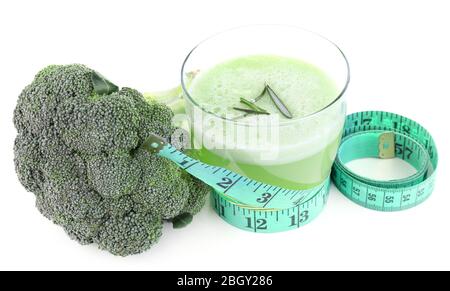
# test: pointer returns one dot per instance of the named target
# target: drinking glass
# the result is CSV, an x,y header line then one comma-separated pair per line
x,y
294,153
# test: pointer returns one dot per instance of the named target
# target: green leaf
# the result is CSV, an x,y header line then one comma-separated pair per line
x,y
101,85
253,106
261,95
278,102
182,220
250,111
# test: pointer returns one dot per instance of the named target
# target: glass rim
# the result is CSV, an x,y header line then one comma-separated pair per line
x,y
285,122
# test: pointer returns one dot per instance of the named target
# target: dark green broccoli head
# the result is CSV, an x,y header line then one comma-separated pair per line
x,y
78,150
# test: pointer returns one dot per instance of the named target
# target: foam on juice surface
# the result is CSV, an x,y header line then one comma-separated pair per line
x,y
304,89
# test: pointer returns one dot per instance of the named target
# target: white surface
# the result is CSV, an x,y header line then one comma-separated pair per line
x,y
381,170
399,57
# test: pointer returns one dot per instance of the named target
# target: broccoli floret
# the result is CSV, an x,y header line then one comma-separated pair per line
x,y
129,234
195,202
78,149
161,193
114,174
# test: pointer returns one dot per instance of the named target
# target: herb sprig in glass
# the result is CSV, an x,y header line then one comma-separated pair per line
x,y
254,109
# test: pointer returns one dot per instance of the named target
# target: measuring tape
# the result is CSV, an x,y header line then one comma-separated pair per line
x,y
258,207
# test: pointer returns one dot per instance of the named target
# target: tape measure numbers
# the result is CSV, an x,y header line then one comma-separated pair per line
x,y
380,134
259,207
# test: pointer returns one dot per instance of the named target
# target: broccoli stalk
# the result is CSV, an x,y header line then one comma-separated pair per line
x,y
173,97
78,149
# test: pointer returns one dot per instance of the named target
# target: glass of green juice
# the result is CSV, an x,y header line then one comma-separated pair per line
x,y
307,72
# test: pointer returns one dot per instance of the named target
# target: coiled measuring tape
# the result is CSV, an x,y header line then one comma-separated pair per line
x,y
258,207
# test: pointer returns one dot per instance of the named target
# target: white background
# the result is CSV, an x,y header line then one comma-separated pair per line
x,y
399,57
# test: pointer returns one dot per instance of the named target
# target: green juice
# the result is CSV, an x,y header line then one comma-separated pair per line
x,y
297,153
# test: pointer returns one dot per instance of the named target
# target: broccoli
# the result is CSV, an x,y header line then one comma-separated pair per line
x,y
78,149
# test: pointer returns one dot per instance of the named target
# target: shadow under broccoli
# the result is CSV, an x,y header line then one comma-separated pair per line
x,y
78,149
